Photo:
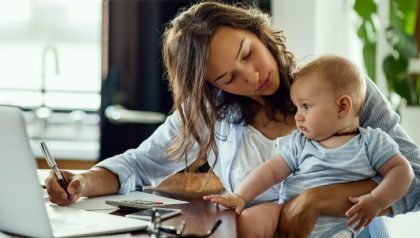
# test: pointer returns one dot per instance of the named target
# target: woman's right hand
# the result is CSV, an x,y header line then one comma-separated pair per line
x,y
57,195
298,216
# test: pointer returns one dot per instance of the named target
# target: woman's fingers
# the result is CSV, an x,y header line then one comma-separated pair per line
x,y
55,192
74,187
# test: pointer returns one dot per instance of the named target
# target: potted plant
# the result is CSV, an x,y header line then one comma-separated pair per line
x,y
401,37
403,26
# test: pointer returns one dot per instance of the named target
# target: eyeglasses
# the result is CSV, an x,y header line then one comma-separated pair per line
x,y
156,228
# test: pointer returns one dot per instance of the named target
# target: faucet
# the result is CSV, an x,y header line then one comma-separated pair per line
x,y
48,48
43,112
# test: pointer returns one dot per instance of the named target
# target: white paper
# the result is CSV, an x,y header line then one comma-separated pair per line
x,y
67,222
2,235
98,203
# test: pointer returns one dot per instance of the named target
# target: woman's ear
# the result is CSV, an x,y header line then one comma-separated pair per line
x,y
344,105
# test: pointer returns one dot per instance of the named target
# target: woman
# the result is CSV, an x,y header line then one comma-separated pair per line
x,y
230,74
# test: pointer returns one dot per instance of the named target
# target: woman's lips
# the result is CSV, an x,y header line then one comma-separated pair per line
x,y
264,84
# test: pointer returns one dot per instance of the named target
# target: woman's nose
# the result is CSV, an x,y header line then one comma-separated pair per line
x,y
252,76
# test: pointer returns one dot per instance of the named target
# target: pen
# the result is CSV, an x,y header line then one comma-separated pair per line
x,y
53,165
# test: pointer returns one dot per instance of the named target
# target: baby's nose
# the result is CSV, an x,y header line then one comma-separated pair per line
x,y
299,117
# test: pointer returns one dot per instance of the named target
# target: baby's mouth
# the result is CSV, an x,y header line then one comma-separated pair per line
x,y
302,128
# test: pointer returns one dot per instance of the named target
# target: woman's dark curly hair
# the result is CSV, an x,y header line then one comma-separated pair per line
x,y
200,104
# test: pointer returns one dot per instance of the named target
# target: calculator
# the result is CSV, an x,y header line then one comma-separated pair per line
x,y
134,204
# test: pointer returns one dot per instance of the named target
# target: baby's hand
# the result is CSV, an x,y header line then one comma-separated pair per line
x,y
230,200
364,210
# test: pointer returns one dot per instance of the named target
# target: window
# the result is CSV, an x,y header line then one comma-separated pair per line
x,y
50,57
50,53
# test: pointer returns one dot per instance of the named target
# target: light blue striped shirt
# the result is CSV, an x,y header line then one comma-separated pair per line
x,y
147,165
312,165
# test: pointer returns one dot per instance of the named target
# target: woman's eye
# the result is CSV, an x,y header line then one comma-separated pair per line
x,y
231,79
248,55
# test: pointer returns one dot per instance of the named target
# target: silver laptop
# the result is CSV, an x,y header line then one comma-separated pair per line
x,y
23,209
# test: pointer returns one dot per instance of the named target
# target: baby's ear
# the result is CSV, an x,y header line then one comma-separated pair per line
x,y
344,105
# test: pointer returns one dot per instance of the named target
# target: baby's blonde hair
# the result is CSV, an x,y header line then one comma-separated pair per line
x,y
341,75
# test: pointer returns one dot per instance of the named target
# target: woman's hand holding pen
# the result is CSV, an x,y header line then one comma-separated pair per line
x,y
91,183
57,194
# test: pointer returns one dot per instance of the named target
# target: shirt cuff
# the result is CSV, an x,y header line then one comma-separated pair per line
x,y
125,175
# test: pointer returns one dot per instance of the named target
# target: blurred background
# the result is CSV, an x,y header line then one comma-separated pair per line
x,y
88,73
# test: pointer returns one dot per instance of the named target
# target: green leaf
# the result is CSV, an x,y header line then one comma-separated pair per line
x,y
401,41
408,9
405,90
362,33
396,72
369,58
365,8
400,36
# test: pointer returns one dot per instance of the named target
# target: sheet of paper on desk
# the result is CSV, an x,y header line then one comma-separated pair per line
x,y
2,235
98,203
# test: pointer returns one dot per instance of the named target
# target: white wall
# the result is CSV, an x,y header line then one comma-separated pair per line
x,y
318,27
298,24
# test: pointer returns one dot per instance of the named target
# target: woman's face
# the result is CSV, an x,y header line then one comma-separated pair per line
x,y
239,63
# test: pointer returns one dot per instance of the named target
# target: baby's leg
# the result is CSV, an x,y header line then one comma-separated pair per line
x,y
259,221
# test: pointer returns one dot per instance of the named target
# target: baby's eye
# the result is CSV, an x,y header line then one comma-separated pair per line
x,y
306,106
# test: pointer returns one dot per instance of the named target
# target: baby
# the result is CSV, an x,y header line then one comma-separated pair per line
x,y
329,147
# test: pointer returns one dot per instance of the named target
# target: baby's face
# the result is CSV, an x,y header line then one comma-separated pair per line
x,y
317,108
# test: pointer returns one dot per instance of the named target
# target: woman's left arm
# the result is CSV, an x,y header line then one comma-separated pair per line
x,y
377,113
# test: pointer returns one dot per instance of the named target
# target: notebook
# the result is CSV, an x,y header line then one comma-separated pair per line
x,y
23,210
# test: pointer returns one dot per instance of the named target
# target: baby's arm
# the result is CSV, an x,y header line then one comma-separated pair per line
x,y
262,178
398,176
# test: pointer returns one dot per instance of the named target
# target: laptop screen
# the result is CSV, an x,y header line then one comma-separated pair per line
x,y
23,209
22,206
